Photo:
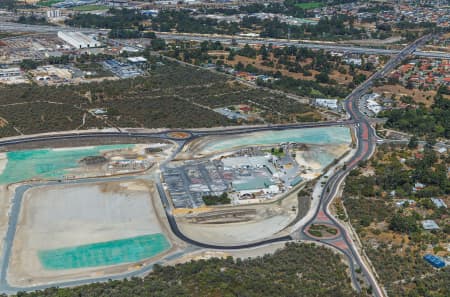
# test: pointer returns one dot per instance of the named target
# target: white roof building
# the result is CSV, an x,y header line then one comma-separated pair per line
x,y
12,76
245,162
137,60
354,61
329,103
78,40
430,225
403,202
439,202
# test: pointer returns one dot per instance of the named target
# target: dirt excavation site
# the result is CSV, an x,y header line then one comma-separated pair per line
x,y
87,230
240,224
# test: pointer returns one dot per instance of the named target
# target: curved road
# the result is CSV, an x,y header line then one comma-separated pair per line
x,y
366,138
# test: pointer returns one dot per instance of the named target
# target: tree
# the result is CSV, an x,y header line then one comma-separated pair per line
x,y
158,44
403,224
8,4
413,142
217,200
322,77
28,64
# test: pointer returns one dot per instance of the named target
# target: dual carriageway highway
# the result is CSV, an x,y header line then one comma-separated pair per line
x,y
328,46
226,39
366,142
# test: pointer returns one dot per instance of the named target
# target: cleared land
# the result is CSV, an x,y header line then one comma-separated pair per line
x,y
5,203
54,217
258,222
3,162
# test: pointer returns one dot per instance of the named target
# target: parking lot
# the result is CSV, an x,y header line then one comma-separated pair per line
x,y
248,174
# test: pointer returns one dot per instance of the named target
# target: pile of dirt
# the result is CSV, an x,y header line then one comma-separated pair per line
x,y
93,160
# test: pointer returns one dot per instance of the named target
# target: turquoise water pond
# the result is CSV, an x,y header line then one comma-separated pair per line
x,y
104,253
48,163
322,135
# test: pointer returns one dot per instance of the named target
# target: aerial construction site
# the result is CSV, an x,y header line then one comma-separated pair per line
x,y
75,213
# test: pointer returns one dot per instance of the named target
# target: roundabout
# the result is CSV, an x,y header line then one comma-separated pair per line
x,y
179,135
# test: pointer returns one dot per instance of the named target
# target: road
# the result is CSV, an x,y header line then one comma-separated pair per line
x,y
367,139
16,27
285,42
166,134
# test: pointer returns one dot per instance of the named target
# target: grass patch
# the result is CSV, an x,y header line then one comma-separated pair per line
x,y
278,152
309,5
216,200
49,3
317,230
91,7
315,233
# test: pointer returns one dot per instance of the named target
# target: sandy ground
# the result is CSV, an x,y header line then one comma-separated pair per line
x,y
3,162
138,151
63,216
235,233
270,219
5,204
313,168
243,254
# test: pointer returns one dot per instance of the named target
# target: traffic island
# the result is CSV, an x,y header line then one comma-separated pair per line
x,y
322,231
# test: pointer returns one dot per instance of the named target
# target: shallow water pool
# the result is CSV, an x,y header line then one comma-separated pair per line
x,y
48,163
106,253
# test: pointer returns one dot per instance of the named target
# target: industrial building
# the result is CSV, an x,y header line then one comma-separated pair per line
x,y
10,72
137,60
248,162
430,225
12,76
53,14
122,70
439,202
232,115
78,40
328,103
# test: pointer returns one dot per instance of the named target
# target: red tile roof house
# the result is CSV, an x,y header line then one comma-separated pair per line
x,y
245,108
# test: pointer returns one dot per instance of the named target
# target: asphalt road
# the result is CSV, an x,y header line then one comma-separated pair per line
x,y
285,42
367,139
165,134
